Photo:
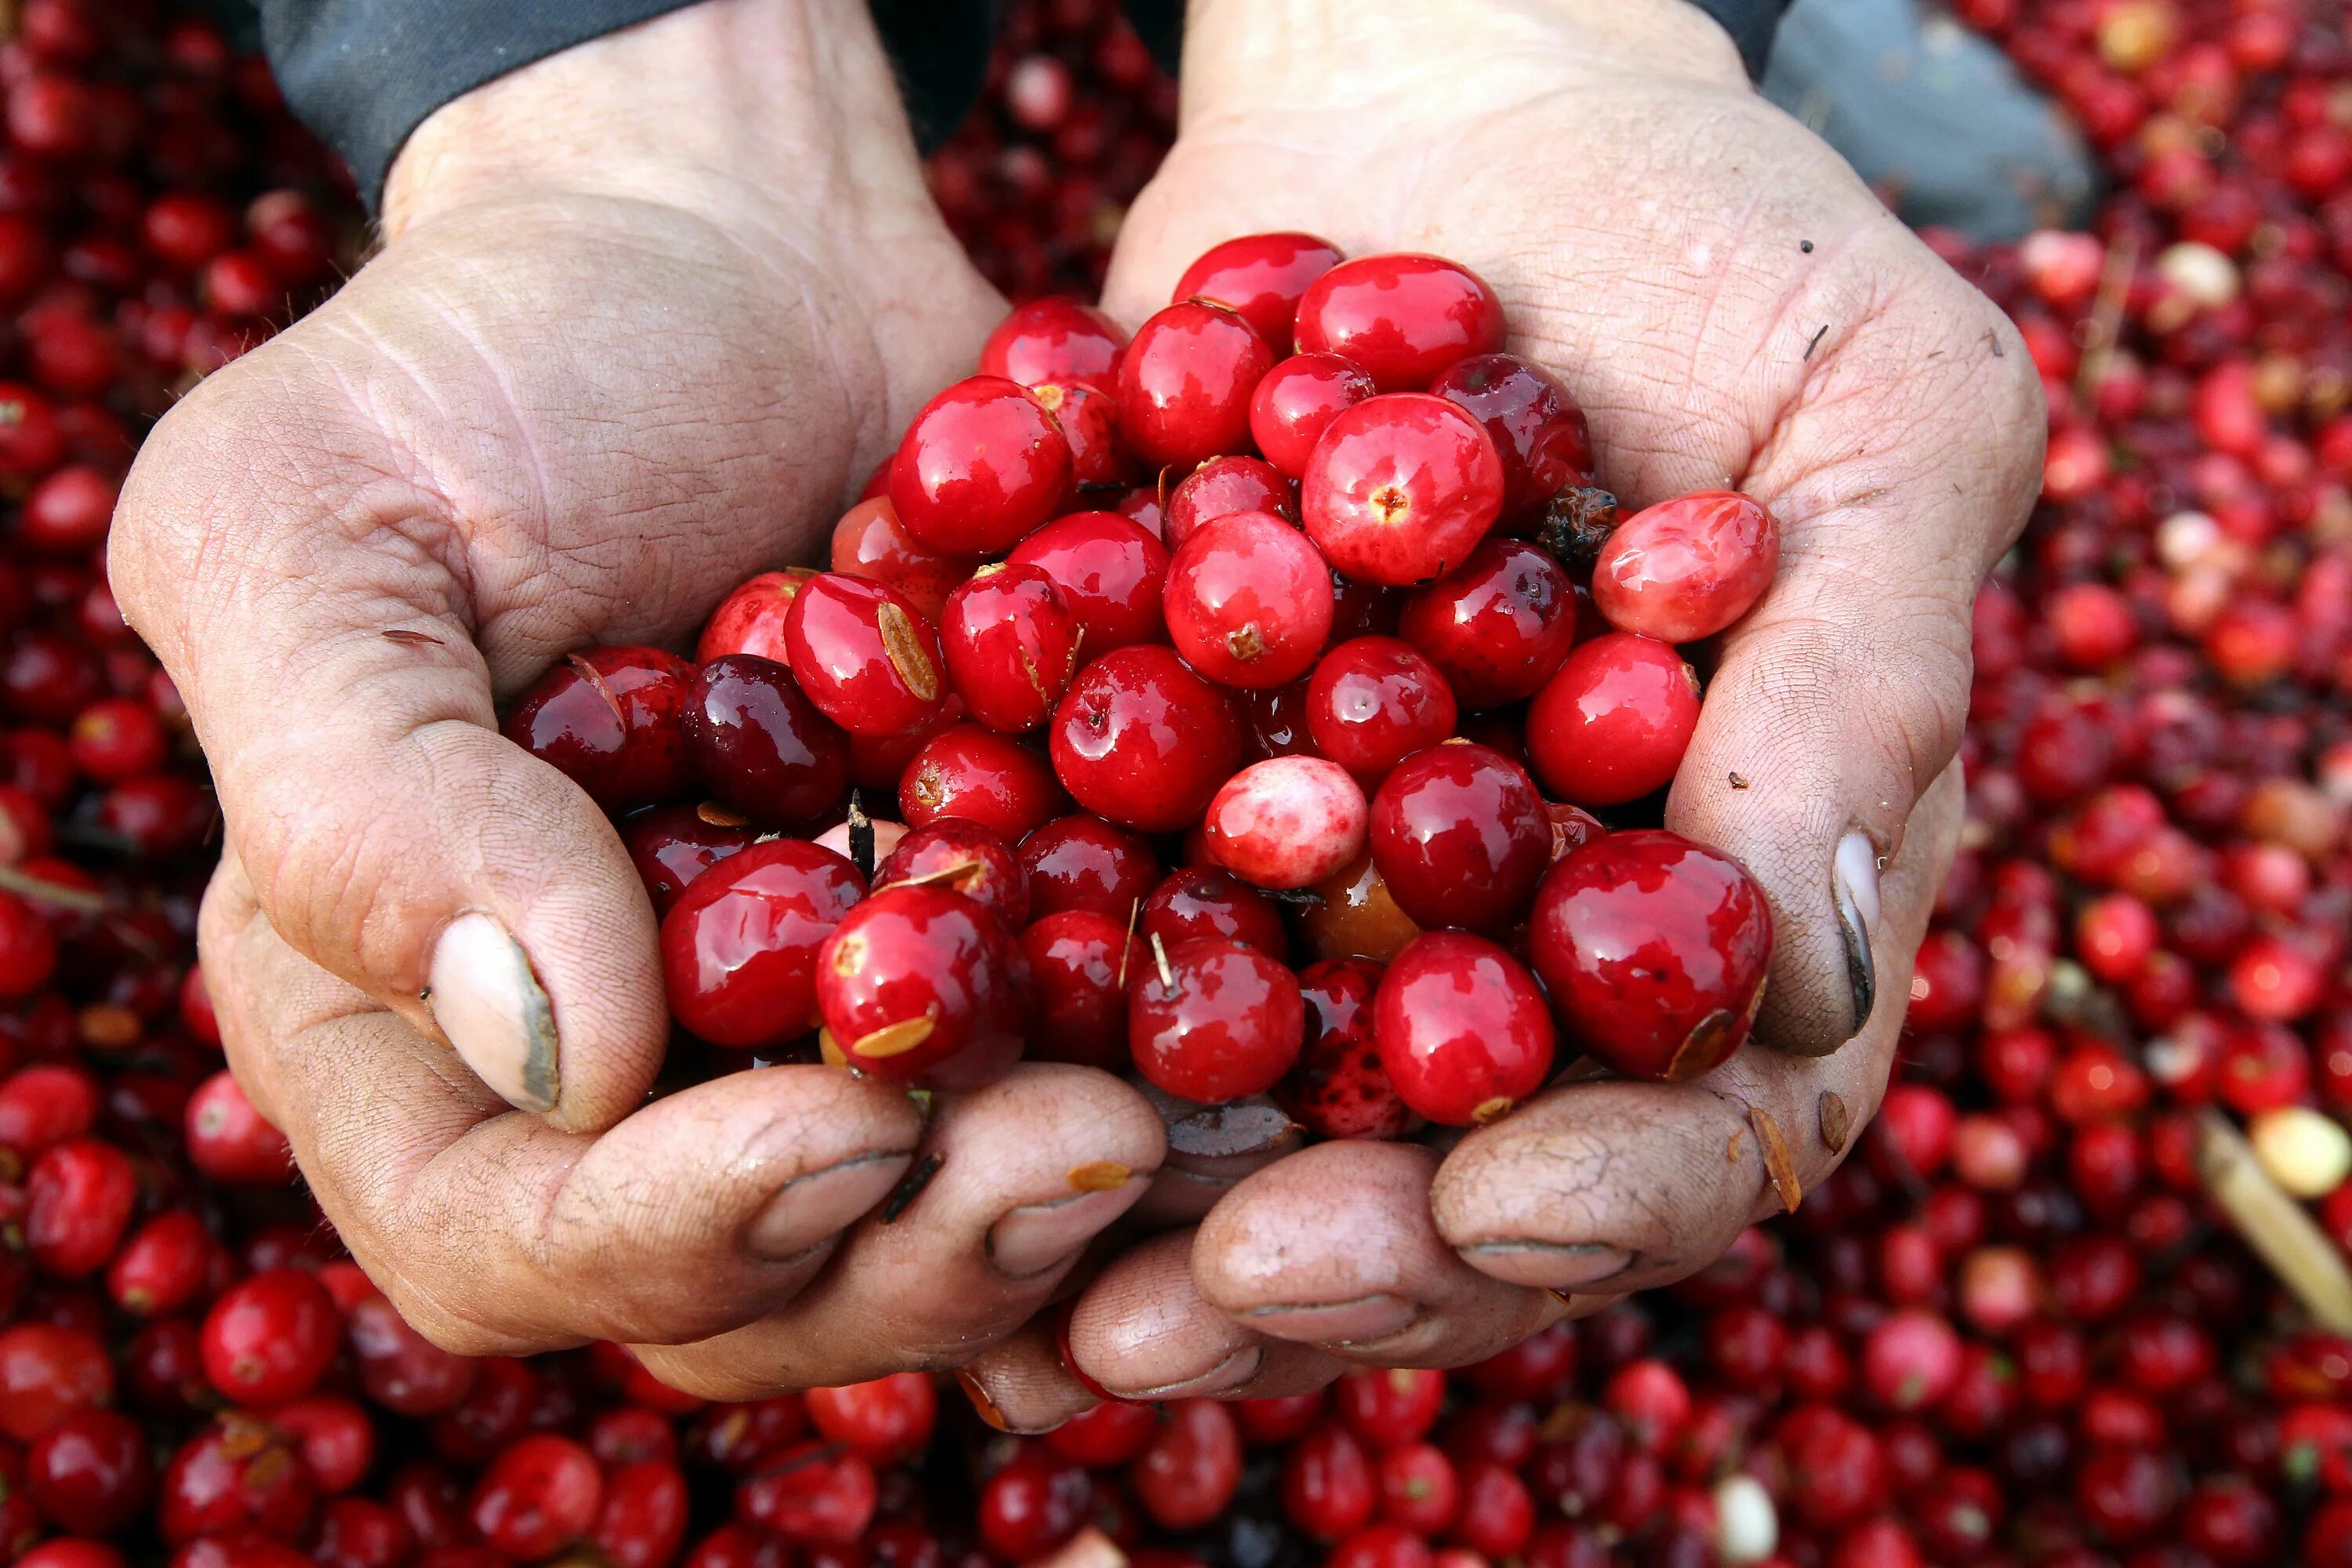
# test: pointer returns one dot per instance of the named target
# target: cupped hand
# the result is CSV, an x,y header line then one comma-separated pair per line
x,y
647,311
1730,306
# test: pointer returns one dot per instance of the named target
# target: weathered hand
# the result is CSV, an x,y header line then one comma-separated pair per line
x,y
647,311
1730,306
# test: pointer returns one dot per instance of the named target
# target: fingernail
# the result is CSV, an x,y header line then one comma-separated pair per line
x,y
1359,1321
980,1402
1854,881
1229,1374
1036,1236
485,997
1549,1265
810,1208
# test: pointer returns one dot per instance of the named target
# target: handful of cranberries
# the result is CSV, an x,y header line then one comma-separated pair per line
x,y
1304,589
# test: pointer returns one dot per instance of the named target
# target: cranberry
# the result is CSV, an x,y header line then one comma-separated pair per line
x,y
1612,724
966,856
672,844
814,1494
1498,626
1463,1032
78,1198
1328,1489
236,1475
336,1438
864,656
1296,402
1222,486
1399,489
117,738
69,511
1404,318
1055,340
1461,838
1189,1474
1012,646
1142,741
1114,1431
612,719
918,985
1109,570
982,465
230,1141
1079,962
740,946
977,773
751,618
1537,429
1088,420
1261,276
539,1494
1653,949
1212,1020
1084,863
1184,385
1207,900
644,1515
90,1473
1248,601
1374,701
269,1339
886,1422
869,542
1287,822
1033,1505
163,1266
1338,1088
1687,568
759,745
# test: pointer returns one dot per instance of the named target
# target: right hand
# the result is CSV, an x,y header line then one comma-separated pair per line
x,y
647,309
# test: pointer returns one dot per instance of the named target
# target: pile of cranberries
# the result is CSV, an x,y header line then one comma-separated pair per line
x,y
1293,631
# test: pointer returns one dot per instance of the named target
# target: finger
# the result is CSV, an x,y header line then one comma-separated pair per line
x,y
1015,1181
391,836
1020,1383
1903,463
495,1233
1612,1185
1334,1247
1143,1330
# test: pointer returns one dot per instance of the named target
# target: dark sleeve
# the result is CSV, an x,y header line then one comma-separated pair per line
x,y
363,74
1751,24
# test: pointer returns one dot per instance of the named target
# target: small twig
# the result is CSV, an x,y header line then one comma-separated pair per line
x,y
2106,316
80,899
911,1188
2279,1229
1817,338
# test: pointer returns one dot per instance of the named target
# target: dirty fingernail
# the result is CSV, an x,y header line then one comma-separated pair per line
x,y
1036,1236
809,1208
1358,1322
487,1002
1854,881
1549,1265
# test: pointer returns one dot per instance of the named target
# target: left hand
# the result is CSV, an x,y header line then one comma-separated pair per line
x,y
1729,304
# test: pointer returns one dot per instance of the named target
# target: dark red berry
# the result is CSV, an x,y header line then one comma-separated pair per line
x,y
759,745
1461,838
1498,626
614,720
1109,570
1613,724
740,947
1142,741
1185,384
1262,275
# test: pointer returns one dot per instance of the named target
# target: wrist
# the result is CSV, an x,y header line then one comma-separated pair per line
x,y
744,112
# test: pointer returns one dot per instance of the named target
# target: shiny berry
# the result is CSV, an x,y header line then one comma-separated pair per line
x,y
869,542
1653,949
982,465
1261,276
1185,383
1338,1088
1461,838
1222,486
1462,1033
1537,430
1212,1020
919,986
537,1496
1403,317
990,778
1055,340
751,618
1613,724
1355,916
1082,862
672,844
1012,646
1296,402
1142,741
739,948
972,860
1287,822
864,656
1498,626
759,745
612,719
1400,488
1687,568
1374,701
269,1339
1109,570
1248,601
1079,962
1207,900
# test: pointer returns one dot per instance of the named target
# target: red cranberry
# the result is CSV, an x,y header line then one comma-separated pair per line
x,y
759,745
1033,1505
1055,340
864,656
1184,385
1205,902
918,985
1012,646
163,1266
91,1473
1461,838
1222,486
1328,1489
984,776
965,856
1088,420
1109,570
612,719
982,465
1400,488
1404,318
1338,1088
230,1141
1142,741
1653,949
671,846
814,1494
541,1493
269,1339
1687,568
1261,277
1463,1032
1612,724
1374,701
78,1198
1498,626
751,618
740,946
1537,429
1288,822
1190,1473
1080,963
1248,601
1296,402
1085,863
1212,1020
869,542
886,1422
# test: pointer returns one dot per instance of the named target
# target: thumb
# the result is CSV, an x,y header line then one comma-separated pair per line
x,y
312,604
1843,696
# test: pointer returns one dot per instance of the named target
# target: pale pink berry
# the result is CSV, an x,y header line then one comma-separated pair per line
x,y
1287,822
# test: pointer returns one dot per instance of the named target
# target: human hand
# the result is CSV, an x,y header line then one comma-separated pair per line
x,y
647,309
1730,305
